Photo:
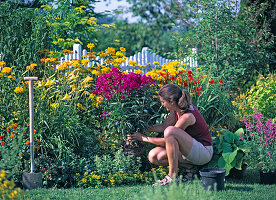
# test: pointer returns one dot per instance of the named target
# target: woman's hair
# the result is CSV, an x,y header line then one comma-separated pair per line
x,y
173,93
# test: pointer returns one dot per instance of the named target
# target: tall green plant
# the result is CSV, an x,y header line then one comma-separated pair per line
x,y
228,41
23,34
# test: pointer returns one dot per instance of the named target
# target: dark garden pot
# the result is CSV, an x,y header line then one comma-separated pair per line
x,y
237,174
268,178
212,177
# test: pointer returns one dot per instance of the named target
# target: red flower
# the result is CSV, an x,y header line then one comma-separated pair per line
x,y
198,90
1,137
15,126
220,81
211,81
8,129
185,84
3,143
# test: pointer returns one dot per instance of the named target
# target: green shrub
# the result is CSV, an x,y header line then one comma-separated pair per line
x,y
260,96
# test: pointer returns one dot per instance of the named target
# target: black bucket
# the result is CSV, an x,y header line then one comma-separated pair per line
x,y
211,177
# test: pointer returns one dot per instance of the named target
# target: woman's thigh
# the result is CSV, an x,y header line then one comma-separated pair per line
x,y
184,140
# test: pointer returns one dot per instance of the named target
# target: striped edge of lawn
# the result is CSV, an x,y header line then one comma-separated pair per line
x,y
247,188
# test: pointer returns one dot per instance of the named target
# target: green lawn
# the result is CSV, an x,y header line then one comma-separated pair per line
x,y
247,188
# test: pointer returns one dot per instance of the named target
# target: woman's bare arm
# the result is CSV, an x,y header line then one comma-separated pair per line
x,y
140,137
159,128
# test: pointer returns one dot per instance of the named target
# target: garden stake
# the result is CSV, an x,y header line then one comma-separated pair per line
x,y
31,180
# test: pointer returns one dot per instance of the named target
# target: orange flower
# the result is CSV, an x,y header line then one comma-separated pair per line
x,y
35,131
28,142
15,126
20,154
38,141
38,148
8,129
28,125
12,136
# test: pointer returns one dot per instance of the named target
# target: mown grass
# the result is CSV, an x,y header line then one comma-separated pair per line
x,y
247,188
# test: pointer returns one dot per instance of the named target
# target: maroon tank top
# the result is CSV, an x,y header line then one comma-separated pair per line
x,y
200,130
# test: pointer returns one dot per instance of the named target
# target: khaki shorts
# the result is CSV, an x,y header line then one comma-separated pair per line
x,y
199,154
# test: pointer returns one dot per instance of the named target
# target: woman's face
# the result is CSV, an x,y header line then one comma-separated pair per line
x,y
168,105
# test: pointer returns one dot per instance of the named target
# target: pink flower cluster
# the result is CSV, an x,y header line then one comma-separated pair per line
x,y
118,84
256,127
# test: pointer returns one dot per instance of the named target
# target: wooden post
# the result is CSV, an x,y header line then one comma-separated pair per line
x,y
31,109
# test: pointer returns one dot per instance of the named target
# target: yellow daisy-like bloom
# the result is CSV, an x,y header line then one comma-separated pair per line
x,y
119,54
139,72
197,68
110,50
1,75
11,77
19,90
6,70
90,45
66,97
132,63
122,49
31,66
96,72
2,64
105,70
62,67
204,75
85,62
156,63
99,99
119,60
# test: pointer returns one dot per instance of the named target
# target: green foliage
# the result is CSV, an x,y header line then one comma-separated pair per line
x,y
229,151
260,96
20,31
60,173
124,116
226,41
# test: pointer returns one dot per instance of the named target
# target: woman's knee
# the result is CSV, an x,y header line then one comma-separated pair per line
x,y
152,156
169,131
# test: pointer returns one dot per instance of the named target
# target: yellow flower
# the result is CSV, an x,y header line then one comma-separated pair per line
x,y
11,77
198,68
96,72
139,72
84,180
87,79
122,49
156,63
6,70
54,105
49,83
132,63
31,66
90,45
110,50
119,54
19,90
3,174
2,63
66,97
62,67
85,62
99,99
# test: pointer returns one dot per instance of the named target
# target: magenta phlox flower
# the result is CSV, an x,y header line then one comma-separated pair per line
x,y
269,153
119,84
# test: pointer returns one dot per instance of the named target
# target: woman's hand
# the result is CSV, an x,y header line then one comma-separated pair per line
x,y
137,136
